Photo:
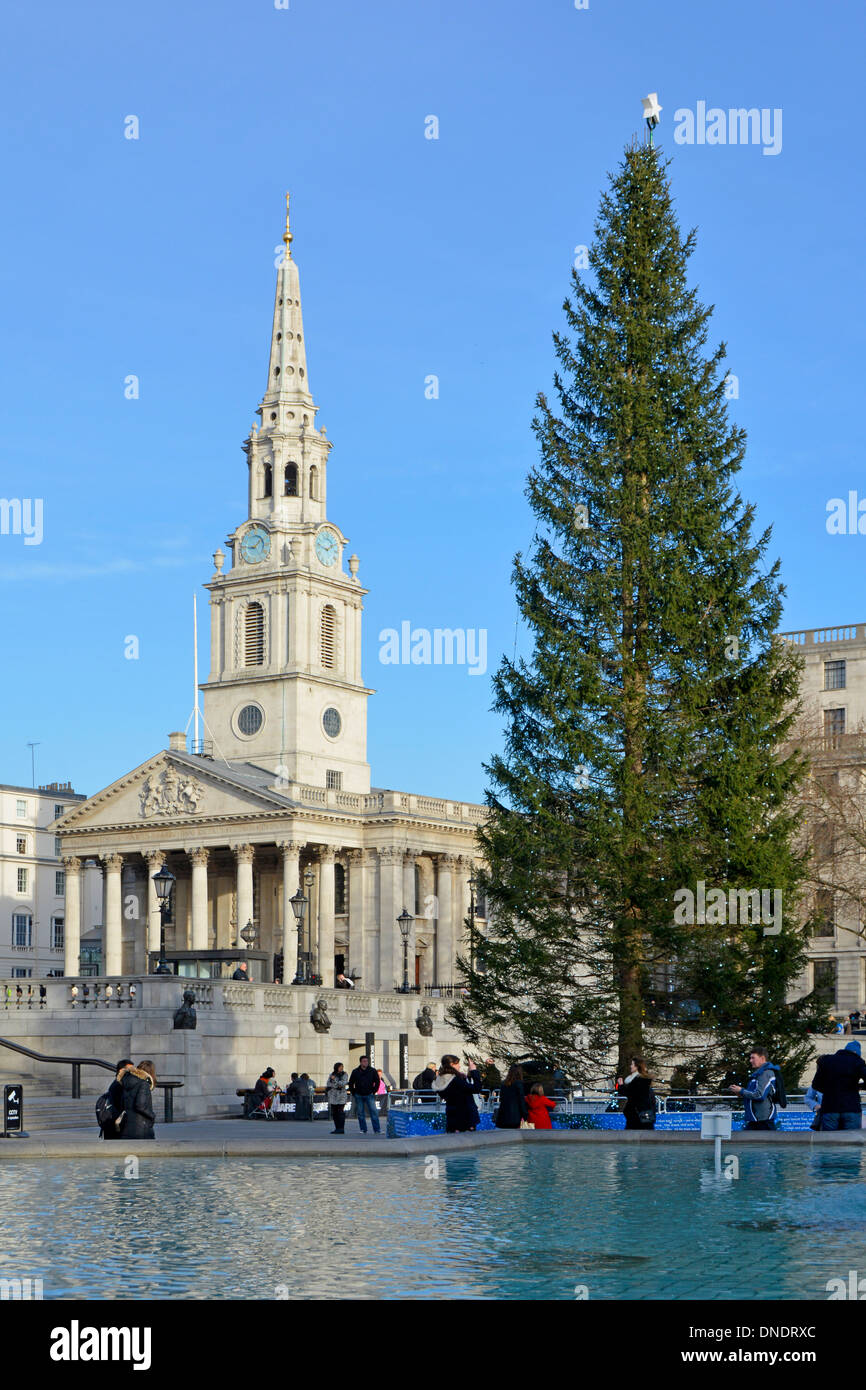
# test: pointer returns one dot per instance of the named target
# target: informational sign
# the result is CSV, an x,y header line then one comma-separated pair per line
x,y
13,1109
370,1047
404,1061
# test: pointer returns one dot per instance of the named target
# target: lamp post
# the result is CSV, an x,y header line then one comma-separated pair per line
x,y
404,922
309,880
163,882
299,907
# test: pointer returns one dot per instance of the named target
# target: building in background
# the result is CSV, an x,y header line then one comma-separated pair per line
x,y
833,732
33,882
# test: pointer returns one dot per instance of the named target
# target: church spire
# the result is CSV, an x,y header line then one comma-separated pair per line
x,y
287,370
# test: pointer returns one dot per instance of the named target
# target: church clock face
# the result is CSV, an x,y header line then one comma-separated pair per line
x,y
327,547
256,545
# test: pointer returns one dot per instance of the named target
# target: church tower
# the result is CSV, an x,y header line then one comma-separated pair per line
x,y
285,689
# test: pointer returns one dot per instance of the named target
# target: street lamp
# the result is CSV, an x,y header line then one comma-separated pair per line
x,y
309,880
249,933
299,907
404,922
163,882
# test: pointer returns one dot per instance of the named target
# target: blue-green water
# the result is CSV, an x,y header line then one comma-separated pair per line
x,y
528,1222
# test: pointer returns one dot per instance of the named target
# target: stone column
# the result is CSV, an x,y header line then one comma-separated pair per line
x,y
445,924
357,894
326,917
390,907
198,858
112,930
72,917
244,855
425,923
461,905
409,904
291,852
155,860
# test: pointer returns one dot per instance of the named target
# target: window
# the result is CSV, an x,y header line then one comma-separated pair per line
x,y
21,844
824,982
58,849
329,627
58,811
823,921
250,720
21,922
291,480
834,675
331,722
59,883
57,924
21,972
834,727
339,889
269,480
334,781
314,483
21,809
416,911
22,880
254,635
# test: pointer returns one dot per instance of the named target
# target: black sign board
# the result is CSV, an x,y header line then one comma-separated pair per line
x,y
370,1045
13,1109
404,1061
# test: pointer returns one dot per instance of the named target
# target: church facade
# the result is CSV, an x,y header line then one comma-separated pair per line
x,y
278,795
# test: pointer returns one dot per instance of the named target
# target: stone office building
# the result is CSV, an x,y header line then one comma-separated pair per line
x,y
833,690
278,794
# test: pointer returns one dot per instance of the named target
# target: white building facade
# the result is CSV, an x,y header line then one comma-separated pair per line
x,y
33,882
278,795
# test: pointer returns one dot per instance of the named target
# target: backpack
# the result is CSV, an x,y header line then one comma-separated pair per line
x,y
105,1112
779,1089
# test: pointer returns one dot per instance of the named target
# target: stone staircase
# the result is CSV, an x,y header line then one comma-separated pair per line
x,y
48,1113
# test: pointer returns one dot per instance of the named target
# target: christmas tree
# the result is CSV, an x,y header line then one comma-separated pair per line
x,y
644,735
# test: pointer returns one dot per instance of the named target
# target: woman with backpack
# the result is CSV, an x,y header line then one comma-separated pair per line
x,y
137,1085
640,1101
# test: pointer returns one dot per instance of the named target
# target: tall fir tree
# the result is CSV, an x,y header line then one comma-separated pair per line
x,y
644,737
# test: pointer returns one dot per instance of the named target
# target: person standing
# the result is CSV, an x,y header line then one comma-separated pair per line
x,y
640,1102
839,1078
137,1085
539,1107
242,973
343,982
491,1076
461,1114
512,1101
363,1085
336,1092
759,1091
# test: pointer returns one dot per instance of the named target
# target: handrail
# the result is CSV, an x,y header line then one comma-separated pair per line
x,y
77,1063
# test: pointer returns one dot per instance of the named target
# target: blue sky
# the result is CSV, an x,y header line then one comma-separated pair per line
x,y
155,257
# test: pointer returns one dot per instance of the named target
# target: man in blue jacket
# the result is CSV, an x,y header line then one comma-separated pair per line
x,y
841,1076
759,1091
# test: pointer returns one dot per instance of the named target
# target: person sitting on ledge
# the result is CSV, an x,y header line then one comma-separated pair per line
x,y
343,982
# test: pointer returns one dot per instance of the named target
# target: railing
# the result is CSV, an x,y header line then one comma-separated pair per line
x,y
818,636
76,1063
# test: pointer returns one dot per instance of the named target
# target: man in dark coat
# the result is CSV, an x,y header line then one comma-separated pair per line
x,y
839,1078
424,1080
115,1100
242,973
363,1085
137,1086
491,1075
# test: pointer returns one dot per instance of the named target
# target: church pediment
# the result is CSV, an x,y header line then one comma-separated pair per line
x,y
167,790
